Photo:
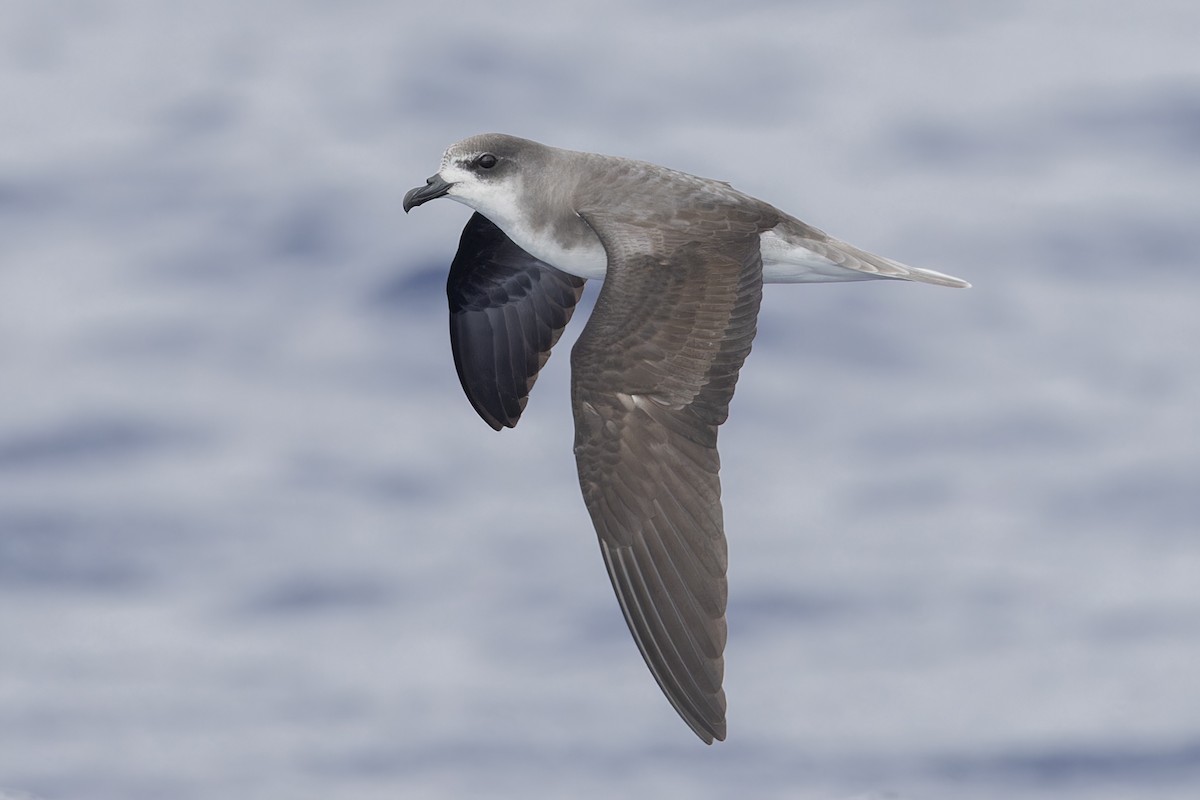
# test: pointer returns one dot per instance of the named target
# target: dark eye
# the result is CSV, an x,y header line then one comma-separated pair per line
x,y
486,161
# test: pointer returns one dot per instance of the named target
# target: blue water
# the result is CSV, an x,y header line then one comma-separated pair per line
x,y
254,543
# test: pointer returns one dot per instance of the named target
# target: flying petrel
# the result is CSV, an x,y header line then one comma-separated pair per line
x,y
683,260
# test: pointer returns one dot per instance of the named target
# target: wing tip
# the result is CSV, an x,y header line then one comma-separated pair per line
x,y
708,731
495,423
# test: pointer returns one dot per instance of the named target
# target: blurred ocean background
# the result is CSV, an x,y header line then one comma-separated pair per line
x,y
254,542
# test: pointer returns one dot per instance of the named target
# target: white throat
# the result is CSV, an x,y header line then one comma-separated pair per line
x,y
498,202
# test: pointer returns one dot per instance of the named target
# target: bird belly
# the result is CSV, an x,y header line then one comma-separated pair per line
x,y
579,254
584,257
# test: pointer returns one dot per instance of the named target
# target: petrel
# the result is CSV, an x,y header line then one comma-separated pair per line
x,y
683,260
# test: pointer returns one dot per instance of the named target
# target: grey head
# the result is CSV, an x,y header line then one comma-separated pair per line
x,y
485,172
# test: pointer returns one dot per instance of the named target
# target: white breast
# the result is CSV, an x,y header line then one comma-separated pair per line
x,y
585,260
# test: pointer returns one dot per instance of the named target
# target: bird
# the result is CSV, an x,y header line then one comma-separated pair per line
x,y
683,260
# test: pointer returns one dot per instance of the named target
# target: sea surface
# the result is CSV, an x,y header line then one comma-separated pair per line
x,y
255,544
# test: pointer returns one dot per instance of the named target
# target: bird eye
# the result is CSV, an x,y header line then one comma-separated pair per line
x,y
486,161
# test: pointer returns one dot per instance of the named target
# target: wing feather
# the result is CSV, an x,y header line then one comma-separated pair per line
x,y
652,376
507,310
